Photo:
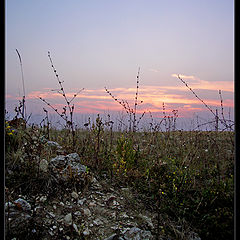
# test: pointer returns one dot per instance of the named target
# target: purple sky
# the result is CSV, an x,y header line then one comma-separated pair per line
x,y
96,44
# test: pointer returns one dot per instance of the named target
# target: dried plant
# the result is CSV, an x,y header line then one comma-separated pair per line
x,y
217,119
131,111
67,117
46,124
24,94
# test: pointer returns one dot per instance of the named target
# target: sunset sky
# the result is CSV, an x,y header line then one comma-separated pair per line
x,y
102,43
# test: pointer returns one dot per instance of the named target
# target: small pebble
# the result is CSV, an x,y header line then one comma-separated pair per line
x,y
86,232
52,214
92,204
81,201
97,222
87,212
74,195
68,219
75,227
43,199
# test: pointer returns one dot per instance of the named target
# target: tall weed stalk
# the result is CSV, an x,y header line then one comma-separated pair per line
x,y
131,111
68,109
217,119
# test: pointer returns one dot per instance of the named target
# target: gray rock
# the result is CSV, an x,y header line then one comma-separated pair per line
x,y
68,219
112,237
137,234
124,230
74,157
86,232
75,228
74,195
22,204
53,144
52,214
147,220
95,184
43,199
9,205
132,234
43,165
59,161
193,236
78,168
81,201
98,222
71,161
78,213
92,204
87,212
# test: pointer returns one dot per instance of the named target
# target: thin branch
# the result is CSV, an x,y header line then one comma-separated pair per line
x,y
23,101
21,72
76,95
224,123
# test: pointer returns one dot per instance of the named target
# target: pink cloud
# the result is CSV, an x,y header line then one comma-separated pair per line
x,y
152,97
9,96
184,76
207,85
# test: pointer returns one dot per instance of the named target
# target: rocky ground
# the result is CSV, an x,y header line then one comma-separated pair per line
x,y
97,210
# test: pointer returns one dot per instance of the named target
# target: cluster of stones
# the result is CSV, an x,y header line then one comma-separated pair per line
x,y
99,213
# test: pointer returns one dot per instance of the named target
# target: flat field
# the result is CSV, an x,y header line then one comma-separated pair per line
x,y
183,179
